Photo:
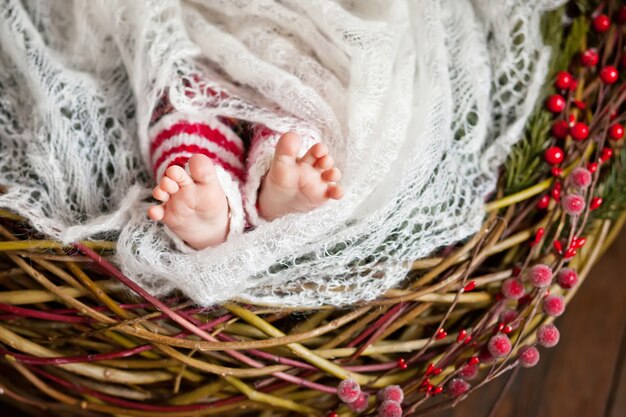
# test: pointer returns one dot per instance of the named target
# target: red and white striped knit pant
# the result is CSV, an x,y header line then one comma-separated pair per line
x,y
242,154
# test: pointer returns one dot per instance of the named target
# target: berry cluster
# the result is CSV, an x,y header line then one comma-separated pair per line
x,y
586,113
390,398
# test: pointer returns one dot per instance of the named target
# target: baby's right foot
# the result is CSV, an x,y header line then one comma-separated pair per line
x,y
194,208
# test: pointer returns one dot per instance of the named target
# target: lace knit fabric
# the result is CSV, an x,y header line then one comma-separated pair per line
x,y
419,101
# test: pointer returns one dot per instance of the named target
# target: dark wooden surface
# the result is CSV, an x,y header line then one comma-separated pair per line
x,y
584,376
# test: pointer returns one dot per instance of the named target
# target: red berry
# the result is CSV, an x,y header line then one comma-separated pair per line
x,y
571,119
462,335
558,247
556,194
540,275
402,364
548,335
554,155
580,178
580,131
573,204
606,154
485,357
560,129
391,393
601,23
589,58
569,253
556,172
554,305
430,368
470,286
513,289
332,414
580,104
592,167
474,360
468,372
543,202
499,346
616,131
529,356
360,404
578,243
457,387
390,409
564,80
441,334
621,15
609,74
348,390
595,203
437,391
555,103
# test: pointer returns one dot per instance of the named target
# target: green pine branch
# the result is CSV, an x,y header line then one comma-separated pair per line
x,y
613,190
525,166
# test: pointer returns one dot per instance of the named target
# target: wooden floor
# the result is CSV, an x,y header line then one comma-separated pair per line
x,y
584,376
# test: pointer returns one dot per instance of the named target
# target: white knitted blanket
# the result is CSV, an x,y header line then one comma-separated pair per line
x,y
420,102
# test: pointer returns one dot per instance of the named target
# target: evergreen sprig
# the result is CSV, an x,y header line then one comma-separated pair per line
x,y
613,191
525,165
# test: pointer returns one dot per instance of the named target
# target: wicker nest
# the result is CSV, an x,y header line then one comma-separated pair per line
x,y
78,338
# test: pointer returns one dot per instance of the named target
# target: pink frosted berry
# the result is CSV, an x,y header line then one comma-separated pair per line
x,y
554,305
468,371
529,356
391,393
567,278
457,387
573,204
513,289
485,357
548,335
390,409
508,315
540,275
499,345
348,390
580,177
360,404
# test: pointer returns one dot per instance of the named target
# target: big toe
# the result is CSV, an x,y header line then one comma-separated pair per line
x,y
288,147
201,169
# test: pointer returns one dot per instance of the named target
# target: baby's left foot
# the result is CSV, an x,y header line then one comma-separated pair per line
x,y
298,184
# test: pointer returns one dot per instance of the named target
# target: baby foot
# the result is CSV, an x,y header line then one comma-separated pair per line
x,y
194,208
298,184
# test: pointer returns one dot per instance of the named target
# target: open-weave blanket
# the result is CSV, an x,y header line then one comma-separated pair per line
x,y
420,102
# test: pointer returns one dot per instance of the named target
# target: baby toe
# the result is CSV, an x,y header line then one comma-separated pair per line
x,y
331,175
178,175
317,151
160,194
168,185
324,162
156,213
334,192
